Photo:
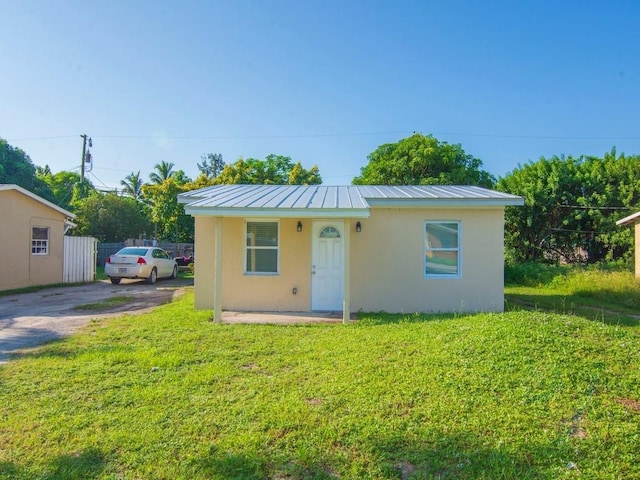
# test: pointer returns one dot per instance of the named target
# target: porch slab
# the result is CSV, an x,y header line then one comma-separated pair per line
x,y
283,318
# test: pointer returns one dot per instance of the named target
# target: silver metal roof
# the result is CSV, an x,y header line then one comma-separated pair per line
x,y
336,201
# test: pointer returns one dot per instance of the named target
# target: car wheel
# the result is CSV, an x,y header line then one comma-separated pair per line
x,y
153,277
115,281
174,275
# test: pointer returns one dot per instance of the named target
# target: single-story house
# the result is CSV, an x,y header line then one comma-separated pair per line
x,y
32,238
348,248
634,219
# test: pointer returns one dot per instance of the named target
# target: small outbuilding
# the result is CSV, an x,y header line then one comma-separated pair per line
x,y
634,220
348,248
31,238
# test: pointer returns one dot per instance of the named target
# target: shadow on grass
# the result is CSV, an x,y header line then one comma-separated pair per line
x,y
448,456
87,464
581,304
257,467
462,456
384,318
24,338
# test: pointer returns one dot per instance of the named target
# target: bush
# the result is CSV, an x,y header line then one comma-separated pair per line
x,y
532,274
537,274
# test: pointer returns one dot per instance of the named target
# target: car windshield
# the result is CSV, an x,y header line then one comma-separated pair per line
x,y
141,252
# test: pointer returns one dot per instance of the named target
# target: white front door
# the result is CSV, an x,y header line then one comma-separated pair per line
x,y
327,269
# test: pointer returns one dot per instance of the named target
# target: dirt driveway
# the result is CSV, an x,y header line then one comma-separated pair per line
x,y
31,319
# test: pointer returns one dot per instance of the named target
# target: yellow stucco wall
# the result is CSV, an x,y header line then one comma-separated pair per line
x,y
18,213
387,264
242,291
204,254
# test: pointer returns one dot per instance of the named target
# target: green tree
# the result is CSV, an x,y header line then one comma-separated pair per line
x,y
110,218
423,160
132,185
212,164
43,171
171,223
168,215
201,181
571,206
17,168
544,226
273,170
300,176
611,188
164,170
66,188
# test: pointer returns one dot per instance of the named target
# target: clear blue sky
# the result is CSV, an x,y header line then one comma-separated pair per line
x,y
325,82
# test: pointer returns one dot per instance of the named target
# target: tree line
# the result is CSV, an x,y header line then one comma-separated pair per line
x,y
571,203
143,209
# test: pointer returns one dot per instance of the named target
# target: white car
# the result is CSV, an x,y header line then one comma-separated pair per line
x,y
150,263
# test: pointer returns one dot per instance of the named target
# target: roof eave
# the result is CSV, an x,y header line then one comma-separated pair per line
x,y
278,212
182,198
630,220
446,202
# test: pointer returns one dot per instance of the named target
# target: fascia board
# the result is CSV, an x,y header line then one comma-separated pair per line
x,y
279,212
630,220
444,202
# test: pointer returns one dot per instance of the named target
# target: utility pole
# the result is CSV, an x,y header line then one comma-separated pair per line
x,y
84,154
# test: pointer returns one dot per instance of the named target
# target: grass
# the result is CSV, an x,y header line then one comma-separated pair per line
x,y
111,302
169,394
100,275
611,295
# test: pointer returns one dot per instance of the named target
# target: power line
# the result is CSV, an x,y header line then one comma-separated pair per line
x,y
586,232
537,137
103,184
583,207
216,137
40,138
336,134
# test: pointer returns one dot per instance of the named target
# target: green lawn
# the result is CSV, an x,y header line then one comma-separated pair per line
x,y
171,395
608,295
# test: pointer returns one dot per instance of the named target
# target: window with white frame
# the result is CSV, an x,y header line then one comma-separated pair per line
x,y
261,247
442,249
39,240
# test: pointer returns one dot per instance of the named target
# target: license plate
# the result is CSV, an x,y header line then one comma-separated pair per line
x,y
122,270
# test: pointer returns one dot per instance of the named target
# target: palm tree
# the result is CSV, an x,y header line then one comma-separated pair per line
x,y
164,171
132,185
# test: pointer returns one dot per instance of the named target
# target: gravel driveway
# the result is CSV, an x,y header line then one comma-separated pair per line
x,y
31,319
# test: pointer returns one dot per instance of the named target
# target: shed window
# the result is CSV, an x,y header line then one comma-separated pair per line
x,y
442,249
261,248
39,240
